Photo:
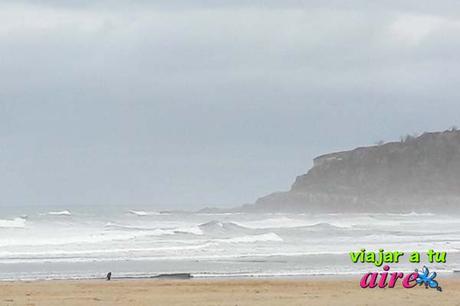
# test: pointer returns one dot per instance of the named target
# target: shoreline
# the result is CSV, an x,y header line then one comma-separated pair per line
x,y
455,275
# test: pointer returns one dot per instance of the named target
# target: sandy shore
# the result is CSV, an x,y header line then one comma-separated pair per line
x,y
221,292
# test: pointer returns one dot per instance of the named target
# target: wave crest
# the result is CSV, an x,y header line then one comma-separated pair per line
x,y
14,223
142,213
155,231
60,213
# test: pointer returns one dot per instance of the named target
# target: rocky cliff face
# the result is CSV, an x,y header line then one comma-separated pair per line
x,y
416,174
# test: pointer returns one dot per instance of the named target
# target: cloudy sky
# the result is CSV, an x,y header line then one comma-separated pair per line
x,y
182,104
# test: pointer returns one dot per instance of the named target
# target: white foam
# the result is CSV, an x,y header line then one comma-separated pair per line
x,y
60,213
178,230
97,252
411,214
155,231
15,223
68,240
254,238
188,230
142,213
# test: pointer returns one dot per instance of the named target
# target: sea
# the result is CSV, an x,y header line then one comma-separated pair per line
x,y
84,243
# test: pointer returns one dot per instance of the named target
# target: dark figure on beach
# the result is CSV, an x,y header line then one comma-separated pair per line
x,y
109,276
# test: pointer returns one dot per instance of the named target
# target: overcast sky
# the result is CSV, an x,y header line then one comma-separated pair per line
x,y
210,103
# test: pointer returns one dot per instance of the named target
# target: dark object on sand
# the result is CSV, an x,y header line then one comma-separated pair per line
x,y
109,276
173,276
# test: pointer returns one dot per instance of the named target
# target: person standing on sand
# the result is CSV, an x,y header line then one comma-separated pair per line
x,y
109,276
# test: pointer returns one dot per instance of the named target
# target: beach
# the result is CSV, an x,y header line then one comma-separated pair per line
x,y
250,292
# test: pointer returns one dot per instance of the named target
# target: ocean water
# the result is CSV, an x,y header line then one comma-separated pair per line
x,y
79,243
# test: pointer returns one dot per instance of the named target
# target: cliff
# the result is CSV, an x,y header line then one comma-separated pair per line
x,y
416,174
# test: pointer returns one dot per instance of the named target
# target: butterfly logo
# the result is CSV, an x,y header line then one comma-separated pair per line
x,y
426,278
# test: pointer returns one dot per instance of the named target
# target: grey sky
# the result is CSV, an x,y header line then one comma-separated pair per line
x,y
194,103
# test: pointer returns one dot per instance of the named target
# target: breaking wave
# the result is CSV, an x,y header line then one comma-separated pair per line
x,y
221,227
14,223
60,213
142,213
155,231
